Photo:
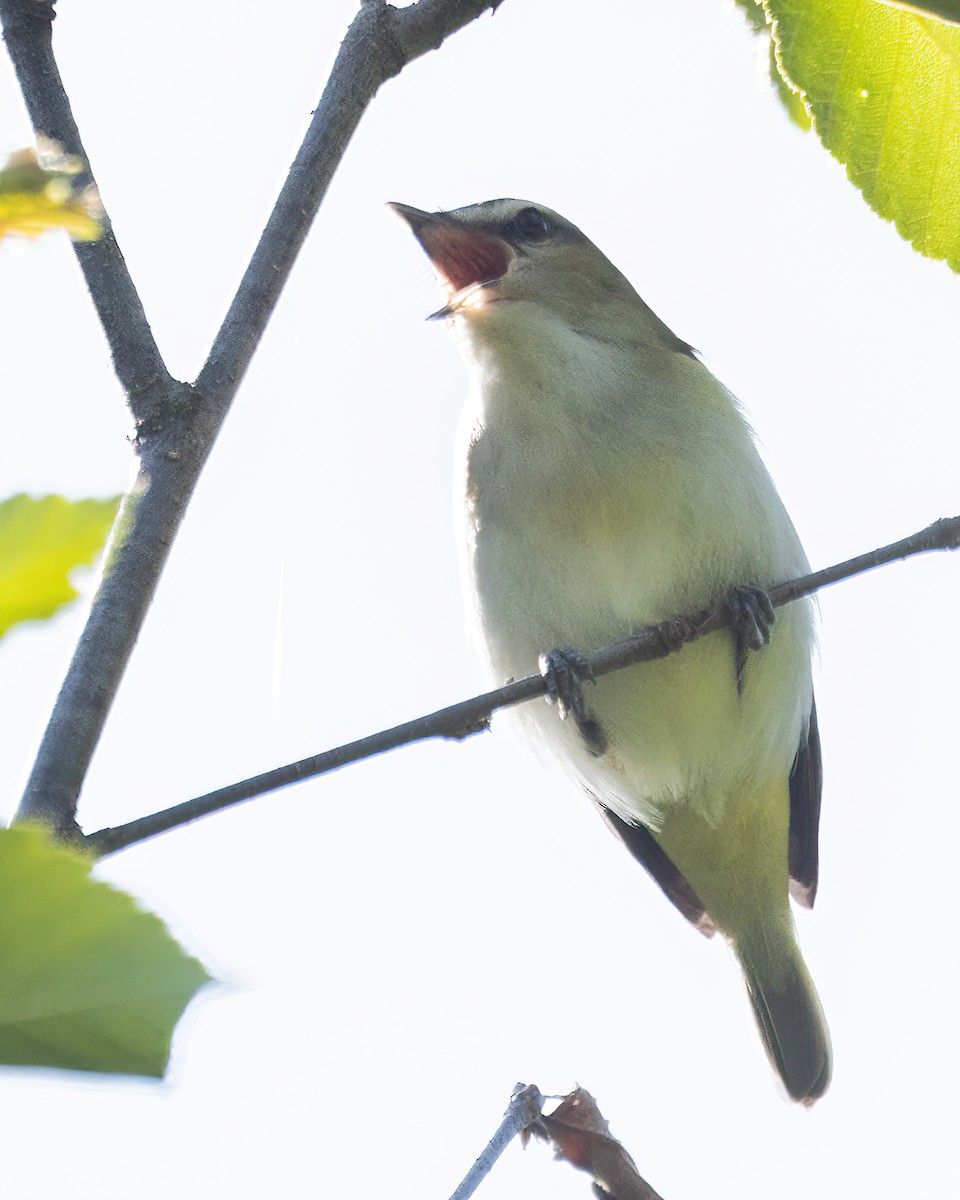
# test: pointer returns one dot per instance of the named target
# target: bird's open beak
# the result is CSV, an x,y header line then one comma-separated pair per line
x,y
464,259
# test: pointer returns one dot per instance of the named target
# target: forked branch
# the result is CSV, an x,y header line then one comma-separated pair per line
x,y
177,423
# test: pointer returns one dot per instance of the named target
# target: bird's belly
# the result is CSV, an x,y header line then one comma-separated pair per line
x,y
677,730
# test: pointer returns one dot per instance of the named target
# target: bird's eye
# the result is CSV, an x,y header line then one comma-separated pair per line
x,y
532,225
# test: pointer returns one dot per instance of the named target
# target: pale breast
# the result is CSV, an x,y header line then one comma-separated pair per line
x,y
577,533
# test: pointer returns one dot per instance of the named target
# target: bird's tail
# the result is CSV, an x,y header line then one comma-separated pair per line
x,y
787,1009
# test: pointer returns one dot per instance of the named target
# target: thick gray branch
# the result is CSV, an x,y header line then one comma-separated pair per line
x,y
140,543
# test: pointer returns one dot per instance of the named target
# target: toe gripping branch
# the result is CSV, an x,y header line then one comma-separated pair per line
x,y
565,671
753,616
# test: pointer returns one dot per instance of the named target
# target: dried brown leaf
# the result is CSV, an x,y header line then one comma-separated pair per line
x,y
580,1135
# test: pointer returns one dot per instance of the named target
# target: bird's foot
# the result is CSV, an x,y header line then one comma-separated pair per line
x,y
753,617
564,672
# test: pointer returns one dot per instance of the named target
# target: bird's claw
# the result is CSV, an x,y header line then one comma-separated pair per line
x,y
753,617
564,672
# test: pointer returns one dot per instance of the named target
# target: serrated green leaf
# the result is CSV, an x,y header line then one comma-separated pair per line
x,y
791,100
41,541
755,16
89,981
883,86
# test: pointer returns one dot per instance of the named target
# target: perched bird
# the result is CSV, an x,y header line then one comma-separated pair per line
x,y
611,482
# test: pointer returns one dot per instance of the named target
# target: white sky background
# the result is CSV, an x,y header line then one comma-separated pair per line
x,y
403,941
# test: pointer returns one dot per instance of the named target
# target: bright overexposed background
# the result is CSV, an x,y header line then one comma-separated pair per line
x,y
400,943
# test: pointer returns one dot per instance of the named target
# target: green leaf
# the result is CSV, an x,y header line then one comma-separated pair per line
x,y
41,541
883,86
791,100
948,10
89,982
753,13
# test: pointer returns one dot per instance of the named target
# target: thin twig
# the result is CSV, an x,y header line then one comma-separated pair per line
x,y
472,716
177,424
525,1108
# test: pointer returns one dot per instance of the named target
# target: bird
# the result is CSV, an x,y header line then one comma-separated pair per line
x,y
610,482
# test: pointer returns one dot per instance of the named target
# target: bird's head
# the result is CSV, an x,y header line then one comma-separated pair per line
x,y
505,251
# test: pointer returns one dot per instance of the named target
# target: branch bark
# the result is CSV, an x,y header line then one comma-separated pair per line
x,y
177,423
472,716
523,1113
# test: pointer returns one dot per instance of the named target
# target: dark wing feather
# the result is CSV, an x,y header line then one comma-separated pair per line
x,y
647,851
806,780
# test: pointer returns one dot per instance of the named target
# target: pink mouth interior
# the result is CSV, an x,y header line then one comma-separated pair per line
x,y
463,257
